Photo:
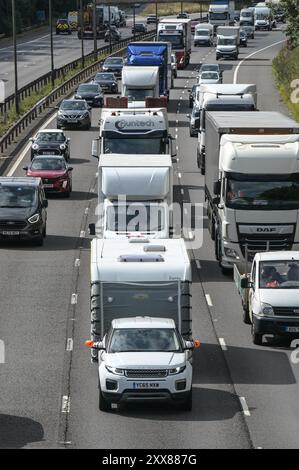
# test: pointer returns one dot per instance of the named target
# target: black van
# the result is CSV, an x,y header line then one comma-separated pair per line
x,y
23,214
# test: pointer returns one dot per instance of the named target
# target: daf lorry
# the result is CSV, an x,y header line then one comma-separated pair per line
x,y
225,97
154,54
251,184
178,33
135,196
141,332
204,34
138,83
270,295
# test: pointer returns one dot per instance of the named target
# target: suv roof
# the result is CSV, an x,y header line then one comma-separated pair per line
x,y
17,180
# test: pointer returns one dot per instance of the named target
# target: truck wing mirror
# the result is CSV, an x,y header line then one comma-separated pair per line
x,y
217,188
92,229
245,283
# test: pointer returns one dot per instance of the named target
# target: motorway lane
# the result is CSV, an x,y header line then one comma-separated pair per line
x,y
34,55
35,380
36,288
263,375
216,420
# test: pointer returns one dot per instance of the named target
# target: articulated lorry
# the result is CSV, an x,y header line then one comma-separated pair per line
x,y
251,184
134,131
222,97
221,13
178,33
155,54
270,295
138,83
141,321
135,196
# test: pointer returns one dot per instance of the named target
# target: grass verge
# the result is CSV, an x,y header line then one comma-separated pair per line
x,y
173,9
34,98
286,75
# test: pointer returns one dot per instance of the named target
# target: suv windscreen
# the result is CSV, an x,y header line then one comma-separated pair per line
x,y
74,106
17,196
51,164
144,340
88,88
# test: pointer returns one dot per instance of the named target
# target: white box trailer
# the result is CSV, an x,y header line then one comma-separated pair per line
x,y
135,195
251,183
139,83
132,278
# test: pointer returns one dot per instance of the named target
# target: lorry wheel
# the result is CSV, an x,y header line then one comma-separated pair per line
x,y
216,246
103,404
212,226
257,338
187,403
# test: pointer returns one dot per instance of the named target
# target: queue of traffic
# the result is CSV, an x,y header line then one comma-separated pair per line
x,y
141,277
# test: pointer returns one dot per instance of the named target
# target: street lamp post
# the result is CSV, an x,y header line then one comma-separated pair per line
x,y
134,21
51,43
13,11
82,30
156,20
94,27
181,7
110,36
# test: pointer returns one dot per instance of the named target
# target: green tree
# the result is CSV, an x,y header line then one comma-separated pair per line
x,y
291,10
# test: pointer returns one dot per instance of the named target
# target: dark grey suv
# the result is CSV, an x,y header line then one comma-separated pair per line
x,y
23,214
74,114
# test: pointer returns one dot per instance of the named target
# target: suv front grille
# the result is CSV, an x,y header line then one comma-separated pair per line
x,y
12,224
146,373
286,311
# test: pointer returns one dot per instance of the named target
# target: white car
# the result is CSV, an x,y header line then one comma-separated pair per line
x,y
144,358
209,77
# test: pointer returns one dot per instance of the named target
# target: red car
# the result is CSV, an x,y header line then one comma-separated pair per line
x,y
56,175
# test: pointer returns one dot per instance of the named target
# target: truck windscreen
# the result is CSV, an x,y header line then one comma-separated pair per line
x,y
262,192
135,217
218,16
175,39
135,144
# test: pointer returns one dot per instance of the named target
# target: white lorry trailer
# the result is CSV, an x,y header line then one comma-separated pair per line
x,y
135,196
139,83
251,184
270,295
222,97
204,34
144,357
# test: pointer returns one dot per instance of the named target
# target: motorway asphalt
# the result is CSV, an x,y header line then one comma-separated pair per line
x,y
39,314
34,54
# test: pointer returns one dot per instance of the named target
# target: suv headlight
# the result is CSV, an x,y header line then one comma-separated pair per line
x,y
34,147
62,147
115,370
34,219
176,370
266,310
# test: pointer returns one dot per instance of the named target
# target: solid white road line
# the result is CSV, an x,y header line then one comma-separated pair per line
x,y
252,54
27,148
209,300
244,406
65,406
222,344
